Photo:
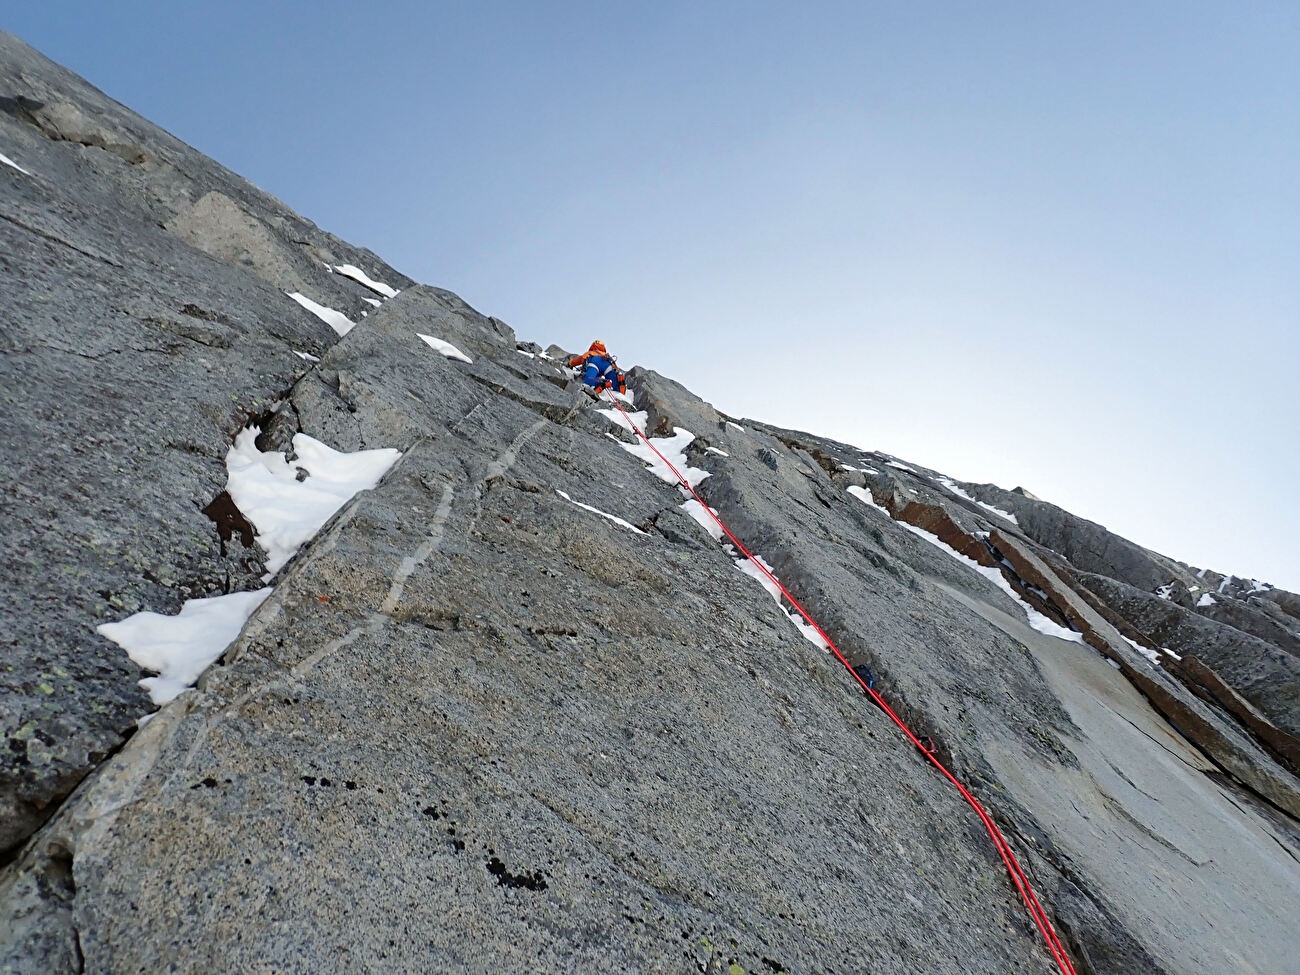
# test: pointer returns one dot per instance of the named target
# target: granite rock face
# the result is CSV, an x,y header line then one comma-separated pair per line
x,y
481,726
129,358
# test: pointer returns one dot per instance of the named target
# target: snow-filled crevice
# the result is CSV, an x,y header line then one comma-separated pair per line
x,y
934,525
278,500
287,500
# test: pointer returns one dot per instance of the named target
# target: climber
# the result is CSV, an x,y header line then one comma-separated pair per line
x,y
600,372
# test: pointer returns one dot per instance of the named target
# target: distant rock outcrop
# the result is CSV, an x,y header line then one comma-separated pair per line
x,y
516,708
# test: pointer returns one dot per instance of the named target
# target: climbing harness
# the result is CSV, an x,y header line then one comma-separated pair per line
x,y
925,745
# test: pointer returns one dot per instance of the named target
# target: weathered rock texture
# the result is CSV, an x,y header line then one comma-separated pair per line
x,y
480,728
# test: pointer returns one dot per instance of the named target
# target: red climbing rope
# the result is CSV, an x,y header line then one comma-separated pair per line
x,y
1018,877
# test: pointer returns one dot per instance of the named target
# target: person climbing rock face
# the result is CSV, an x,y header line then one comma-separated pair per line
x,y
600,372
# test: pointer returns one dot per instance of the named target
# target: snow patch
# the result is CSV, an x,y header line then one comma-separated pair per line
x,y
9,162
306,355
179,648
865,496
446,348
356,274
1036,619
674,451
953,487
715,450
736,425
334,319
604,514
901,466
1149,654
748,567
1205,600
375,302
285,511
526,352
626,420
696,510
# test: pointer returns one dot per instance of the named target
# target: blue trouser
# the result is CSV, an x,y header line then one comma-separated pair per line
x,y
601,371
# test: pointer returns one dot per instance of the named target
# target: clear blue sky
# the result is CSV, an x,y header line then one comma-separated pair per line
x,y
1034,243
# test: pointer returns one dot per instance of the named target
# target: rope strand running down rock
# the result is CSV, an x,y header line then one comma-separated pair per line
x,y
1018,878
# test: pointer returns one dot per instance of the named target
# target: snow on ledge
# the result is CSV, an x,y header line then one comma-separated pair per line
x,y
285,511
866,497
179,648
674,450
604,514
1036,619
334,319
9,162
360,276
696,511
952,486
626,420
446,348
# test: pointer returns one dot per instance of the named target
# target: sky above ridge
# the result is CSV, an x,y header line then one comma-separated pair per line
x,y
1046,245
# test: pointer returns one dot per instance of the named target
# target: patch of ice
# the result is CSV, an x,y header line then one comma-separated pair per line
x,y
865,496
446,348
715,450
696,511
334,319
9,162
356,274
179,648
673,449
306,355
1205,600
375,302
285,511
604,514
